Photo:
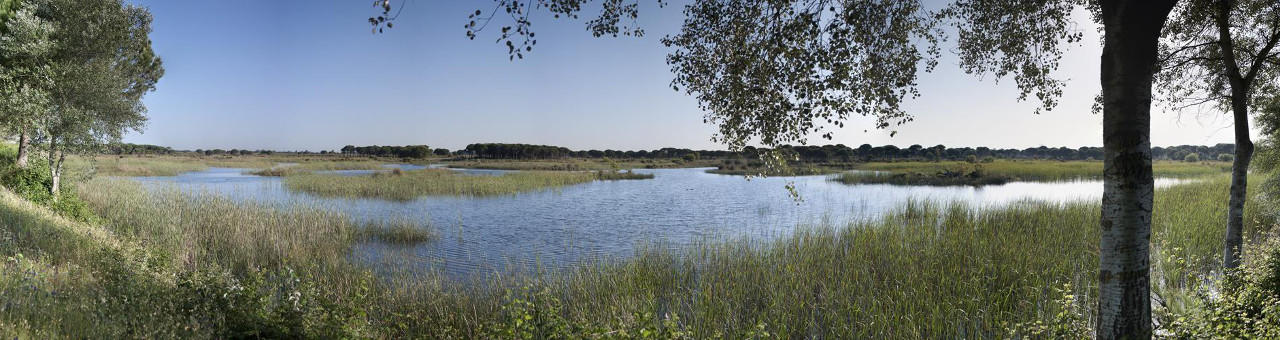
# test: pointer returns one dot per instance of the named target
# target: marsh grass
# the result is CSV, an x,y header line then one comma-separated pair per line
x,y
1047,170
620,175
397,231
166,165
408,185
199,228
137,166
790,170
925,270
578,164
941,178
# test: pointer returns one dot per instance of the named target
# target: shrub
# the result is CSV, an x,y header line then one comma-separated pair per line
x,y
971,158
1191,157
988,159
1226,157
1248,306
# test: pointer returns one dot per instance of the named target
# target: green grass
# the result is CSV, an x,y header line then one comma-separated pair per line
x,y
408,185
1046,170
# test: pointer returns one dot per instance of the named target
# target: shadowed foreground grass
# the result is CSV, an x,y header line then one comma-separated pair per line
x,y
408,185
927,270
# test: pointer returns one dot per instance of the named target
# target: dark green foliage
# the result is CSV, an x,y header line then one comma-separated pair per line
x,y
138,149
1191,157
33,184
409,151
1248,306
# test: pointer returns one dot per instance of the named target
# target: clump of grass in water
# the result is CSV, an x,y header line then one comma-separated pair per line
x,y
412,184
620,175
975,176
397,231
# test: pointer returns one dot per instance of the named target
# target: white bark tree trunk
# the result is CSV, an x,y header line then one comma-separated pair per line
x,y
1129,59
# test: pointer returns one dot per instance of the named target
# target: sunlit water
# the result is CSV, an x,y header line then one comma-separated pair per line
x,y
555,227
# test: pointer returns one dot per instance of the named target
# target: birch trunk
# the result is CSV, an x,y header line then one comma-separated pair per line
x,y
1129,58
55,169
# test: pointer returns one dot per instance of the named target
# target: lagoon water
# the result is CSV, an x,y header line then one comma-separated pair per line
x,y
609,219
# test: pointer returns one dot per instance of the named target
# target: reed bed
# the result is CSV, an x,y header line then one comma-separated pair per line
x,y
138,166
397,231
1048,170
200,228
579,164
916,178
408,185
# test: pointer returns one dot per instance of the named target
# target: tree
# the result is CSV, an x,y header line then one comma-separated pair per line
x,y
26,75
772,70
1221,53
104,64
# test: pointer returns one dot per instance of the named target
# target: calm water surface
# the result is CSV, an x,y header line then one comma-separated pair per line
x,y
555,227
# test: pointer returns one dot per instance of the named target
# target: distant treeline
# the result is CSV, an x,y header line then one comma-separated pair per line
x,y
138,149
838,153
408,151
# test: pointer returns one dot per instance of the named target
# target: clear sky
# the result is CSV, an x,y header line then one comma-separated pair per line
x,y
295,75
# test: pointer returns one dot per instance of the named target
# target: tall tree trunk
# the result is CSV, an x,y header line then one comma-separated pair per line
x,y
1132,33
24,147
1240,88
1239,183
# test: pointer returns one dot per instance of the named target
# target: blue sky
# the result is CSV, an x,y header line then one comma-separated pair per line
x,y
295,75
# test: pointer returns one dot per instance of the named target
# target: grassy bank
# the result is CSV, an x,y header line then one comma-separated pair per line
x,y
928,173
408,185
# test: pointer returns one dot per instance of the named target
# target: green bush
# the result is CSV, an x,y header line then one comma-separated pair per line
x,y
33,184
1247,305
1226,157
971,158
1191,157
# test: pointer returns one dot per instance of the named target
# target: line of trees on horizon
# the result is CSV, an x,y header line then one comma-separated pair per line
x,y
407,151
831,153
837,153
